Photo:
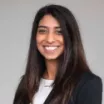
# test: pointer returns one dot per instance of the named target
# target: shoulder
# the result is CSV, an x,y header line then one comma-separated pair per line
x,y
89,78
88,90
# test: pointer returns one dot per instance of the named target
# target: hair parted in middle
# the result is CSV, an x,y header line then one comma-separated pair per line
x,y
72,63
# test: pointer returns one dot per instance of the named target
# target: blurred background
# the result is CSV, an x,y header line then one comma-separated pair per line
x,y
16,18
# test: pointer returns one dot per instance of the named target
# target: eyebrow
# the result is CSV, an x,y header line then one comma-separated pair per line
x,y
57,27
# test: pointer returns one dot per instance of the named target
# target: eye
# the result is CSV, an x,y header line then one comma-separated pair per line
x,y
59,32
42,31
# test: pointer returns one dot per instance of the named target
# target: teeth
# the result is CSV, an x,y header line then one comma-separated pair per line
x,y
50,48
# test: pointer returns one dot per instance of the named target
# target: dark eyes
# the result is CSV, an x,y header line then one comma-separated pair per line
x,y
59,32
43,31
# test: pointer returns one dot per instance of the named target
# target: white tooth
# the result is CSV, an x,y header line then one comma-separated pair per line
x,y
50,48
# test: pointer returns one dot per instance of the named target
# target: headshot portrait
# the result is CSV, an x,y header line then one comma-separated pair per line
x,y
51,51
57,71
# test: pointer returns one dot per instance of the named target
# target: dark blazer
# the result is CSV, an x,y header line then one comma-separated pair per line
x,y
88,90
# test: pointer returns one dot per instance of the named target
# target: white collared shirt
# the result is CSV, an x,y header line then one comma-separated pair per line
x,y
43,92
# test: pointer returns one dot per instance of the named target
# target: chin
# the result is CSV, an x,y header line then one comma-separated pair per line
x,y
51,58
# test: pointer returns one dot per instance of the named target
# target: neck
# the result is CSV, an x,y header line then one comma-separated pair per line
x,y
51,69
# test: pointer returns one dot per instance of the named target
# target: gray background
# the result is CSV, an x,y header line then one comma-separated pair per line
x,y
16,17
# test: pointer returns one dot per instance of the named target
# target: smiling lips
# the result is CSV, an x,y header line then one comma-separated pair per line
x,y
50,48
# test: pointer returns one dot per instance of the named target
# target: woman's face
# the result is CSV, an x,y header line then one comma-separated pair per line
x,y
49,38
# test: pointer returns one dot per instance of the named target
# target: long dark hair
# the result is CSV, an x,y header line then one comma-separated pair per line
x,y
72,63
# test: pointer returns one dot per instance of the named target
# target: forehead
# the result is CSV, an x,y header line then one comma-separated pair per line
x,y
49,21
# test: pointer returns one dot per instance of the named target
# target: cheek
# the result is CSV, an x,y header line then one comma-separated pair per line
x,y
38,39
61,39
38,43
62,43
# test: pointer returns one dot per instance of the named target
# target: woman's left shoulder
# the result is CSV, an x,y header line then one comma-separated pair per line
x,y
89,77
89,89
89,81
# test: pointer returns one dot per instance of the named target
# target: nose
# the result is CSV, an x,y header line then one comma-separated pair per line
x,y
50,38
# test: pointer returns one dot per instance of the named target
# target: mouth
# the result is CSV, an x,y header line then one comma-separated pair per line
x,y
50,48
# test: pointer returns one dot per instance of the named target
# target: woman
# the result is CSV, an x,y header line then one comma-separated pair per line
x,y
57,71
